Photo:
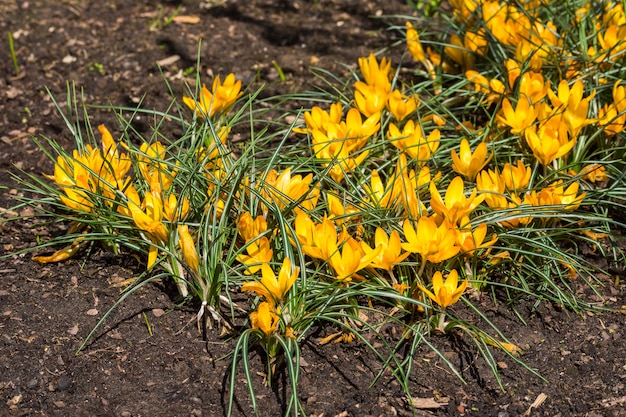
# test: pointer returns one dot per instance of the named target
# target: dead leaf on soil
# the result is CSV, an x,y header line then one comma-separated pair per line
x,y
74,330
117,281
68,59
541,398
13,92
7,212
621,310
115,334
168,61
423,403
13,402
190,20
612,402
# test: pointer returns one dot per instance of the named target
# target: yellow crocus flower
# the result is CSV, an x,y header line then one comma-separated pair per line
x,y
520,118
413,43
343,163
349,259
614,14
549,143
516,177
411,140
469,240
76,199
492,87
63,172
619,96
326,238
258,253
534,50
131,195
433,243
403,187
611,120
407,187
492,187
217,101
375,74
369,99
341,251
249,228
612,42
339,213
513,70
455,205
305,231
188,248
92,176
61,254
556,195
271,288
154,170
72,177
594,173
340,143
460,54
469,163
118,164
465,7
481,83
379,194
210,154
448,292
476,41
498,18
566,196
513,218
264,319
285,189
172,210
318,119
150,221
509,347
573,106
357,131
391,250
227,93
401,105
533,86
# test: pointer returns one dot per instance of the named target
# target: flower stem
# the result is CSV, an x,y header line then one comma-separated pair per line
x,y
422,267
441,326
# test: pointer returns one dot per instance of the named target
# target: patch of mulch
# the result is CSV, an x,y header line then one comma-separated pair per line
x,y
148,359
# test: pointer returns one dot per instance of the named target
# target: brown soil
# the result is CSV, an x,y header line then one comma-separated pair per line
x,y
148,359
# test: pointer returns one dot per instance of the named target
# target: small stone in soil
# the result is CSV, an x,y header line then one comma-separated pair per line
x,y
33,383
64,383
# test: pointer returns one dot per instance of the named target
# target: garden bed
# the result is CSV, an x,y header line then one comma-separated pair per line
x,y
149,358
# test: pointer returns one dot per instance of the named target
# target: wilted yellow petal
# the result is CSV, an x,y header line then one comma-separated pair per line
x,y
60,255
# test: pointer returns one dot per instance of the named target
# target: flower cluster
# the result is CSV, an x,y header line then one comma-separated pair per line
x,y
387,197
